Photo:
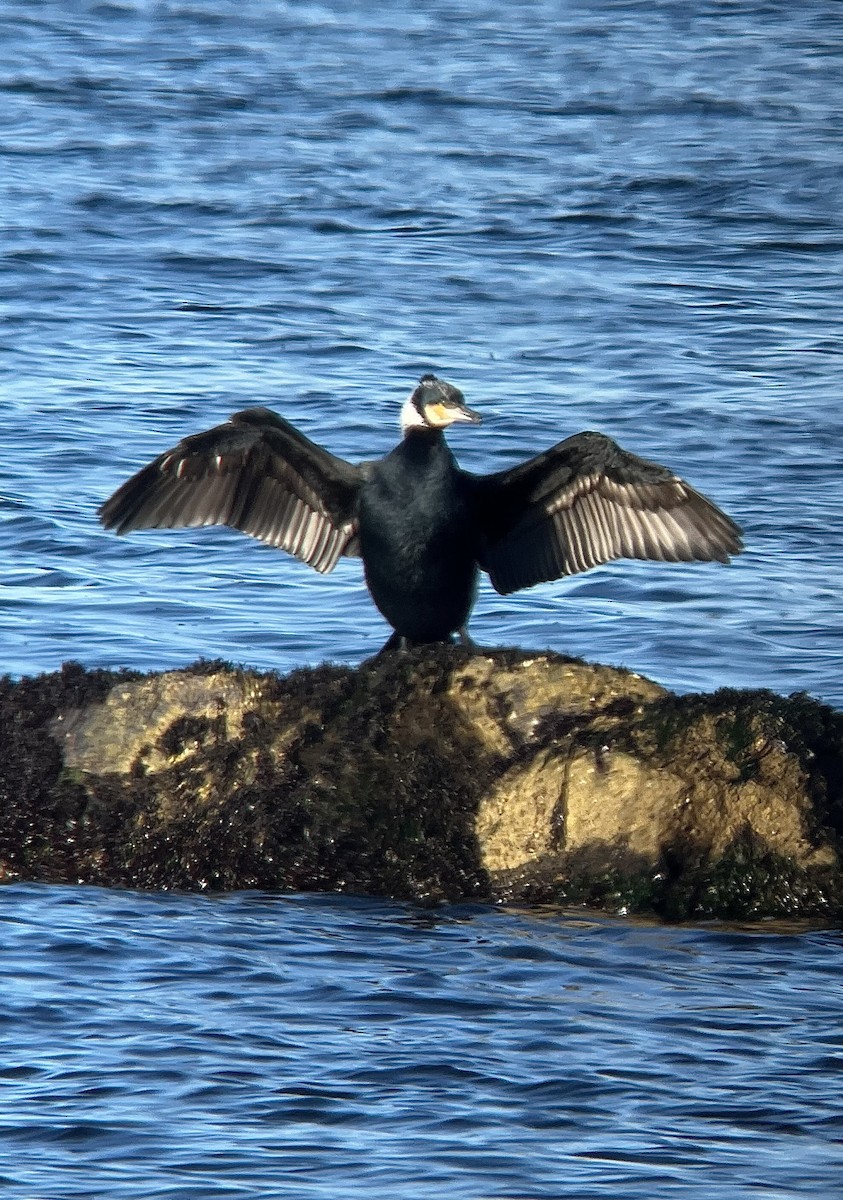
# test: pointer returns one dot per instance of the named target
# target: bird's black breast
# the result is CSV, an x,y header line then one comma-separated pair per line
x,y
417,539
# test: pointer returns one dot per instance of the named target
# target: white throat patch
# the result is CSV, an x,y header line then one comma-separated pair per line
x,y
411,418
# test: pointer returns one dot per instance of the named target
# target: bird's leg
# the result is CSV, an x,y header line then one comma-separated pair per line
x,y
396,642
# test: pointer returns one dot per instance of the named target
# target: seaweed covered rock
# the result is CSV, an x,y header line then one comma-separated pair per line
x,y
438,774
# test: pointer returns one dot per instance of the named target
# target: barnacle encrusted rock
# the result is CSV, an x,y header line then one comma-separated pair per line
x,y
438,774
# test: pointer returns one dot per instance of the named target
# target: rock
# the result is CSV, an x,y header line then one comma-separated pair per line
x,y
434,775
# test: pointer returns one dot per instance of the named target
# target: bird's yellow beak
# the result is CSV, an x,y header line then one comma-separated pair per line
x,y
441,415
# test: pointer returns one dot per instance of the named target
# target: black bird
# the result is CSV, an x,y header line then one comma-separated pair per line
x,y
422,526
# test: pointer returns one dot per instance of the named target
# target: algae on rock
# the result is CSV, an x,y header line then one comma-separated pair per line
x,y
437,774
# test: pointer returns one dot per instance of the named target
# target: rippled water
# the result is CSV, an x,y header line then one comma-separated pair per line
x,y
166,1046
621,216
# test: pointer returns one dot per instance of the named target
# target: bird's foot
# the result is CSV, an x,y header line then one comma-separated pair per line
x,y
398,643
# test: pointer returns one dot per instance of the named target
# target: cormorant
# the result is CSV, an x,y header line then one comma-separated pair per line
x,y
422,526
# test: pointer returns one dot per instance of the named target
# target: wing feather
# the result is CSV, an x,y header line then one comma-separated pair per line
x,y
256,473
588,501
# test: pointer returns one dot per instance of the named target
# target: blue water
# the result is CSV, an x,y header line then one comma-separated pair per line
x,y
625,216
181,1047
621,216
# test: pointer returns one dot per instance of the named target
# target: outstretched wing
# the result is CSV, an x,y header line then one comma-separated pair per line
x,y
256,473
587,501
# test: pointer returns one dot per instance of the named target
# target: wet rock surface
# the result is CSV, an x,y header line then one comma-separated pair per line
x,y
434,775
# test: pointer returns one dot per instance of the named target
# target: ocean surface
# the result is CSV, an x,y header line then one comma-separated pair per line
x,y
190,1048
624,216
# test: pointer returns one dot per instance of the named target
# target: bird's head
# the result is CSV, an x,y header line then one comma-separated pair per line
x,y
435,404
